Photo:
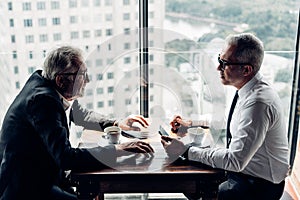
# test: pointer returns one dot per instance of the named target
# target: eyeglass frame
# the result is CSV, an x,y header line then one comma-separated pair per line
x,y
84,74
224,63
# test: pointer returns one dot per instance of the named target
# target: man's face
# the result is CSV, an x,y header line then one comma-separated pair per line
x,y
230,72
73,82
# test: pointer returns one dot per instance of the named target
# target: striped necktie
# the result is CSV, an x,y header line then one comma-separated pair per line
x,y
228,135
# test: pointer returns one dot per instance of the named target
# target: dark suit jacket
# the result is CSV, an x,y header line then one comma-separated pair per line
x,y
34,145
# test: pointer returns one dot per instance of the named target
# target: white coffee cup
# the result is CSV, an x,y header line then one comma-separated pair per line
x,y
112,134
196,135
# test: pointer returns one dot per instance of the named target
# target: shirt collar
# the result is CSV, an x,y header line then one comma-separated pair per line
x,y
66,103
248,86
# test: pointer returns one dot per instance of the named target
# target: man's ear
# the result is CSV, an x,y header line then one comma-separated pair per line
x,y
248,70
59,81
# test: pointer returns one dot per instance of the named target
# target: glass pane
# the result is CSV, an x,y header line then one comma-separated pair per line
x,y
185,47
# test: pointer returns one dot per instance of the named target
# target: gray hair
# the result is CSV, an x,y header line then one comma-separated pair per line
x,y
248,49
60,60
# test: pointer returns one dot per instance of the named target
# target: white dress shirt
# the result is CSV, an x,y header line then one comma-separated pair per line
x,y
259,145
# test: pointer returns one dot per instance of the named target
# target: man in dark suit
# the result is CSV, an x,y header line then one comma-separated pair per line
x,y
35,150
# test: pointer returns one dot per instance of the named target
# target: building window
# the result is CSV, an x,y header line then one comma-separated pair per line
x,y
127,101
29,39
56,21
72,3
73,19
108,2
100,104
16,69
11,23
126,31
99,62
86,34
13,39
110,89
99,90
109,32
57,36
97,2
126,45
89,92
27,22
111,103
31,70
30,56
14,55
127,60
99,77
108,17
126,2
74,35
43,38
41,5
55,5
126,16
26,6
10,6
17,85
84,3
89,106
98,33
42,22
110,75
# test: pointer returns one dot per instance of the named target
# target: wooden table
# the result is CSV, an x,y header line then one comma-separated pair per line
x,y
147,174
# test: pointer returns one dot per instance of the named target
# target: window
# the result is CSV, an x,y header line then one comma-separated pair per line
x,y
98,33
41,5
29,39
56,21
100,104
42,22
109,32
11,22
9,6
17,85
16,69
55,5
99,63
30,55
14,55
27,22
89,92
110,89
111,103
73,19
56,36
110,75
108,17
108,2
72,3
99,90
126,45
97,2
13,39
126,2
84,3
74,35
26,6
43,38
31,70
86,34
99,77
127,60
126,16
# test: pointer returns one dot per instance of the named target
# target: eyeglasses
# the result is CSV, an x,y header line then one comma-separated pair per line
x,y
223,63
84,74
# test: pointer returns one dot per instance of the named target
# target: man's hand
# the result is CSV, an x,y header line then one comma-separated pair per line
x,y
133,147
173,146
126,124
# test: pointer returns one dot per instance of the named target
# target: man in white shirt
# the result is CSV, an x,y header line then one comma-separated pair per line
x,y
256,159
